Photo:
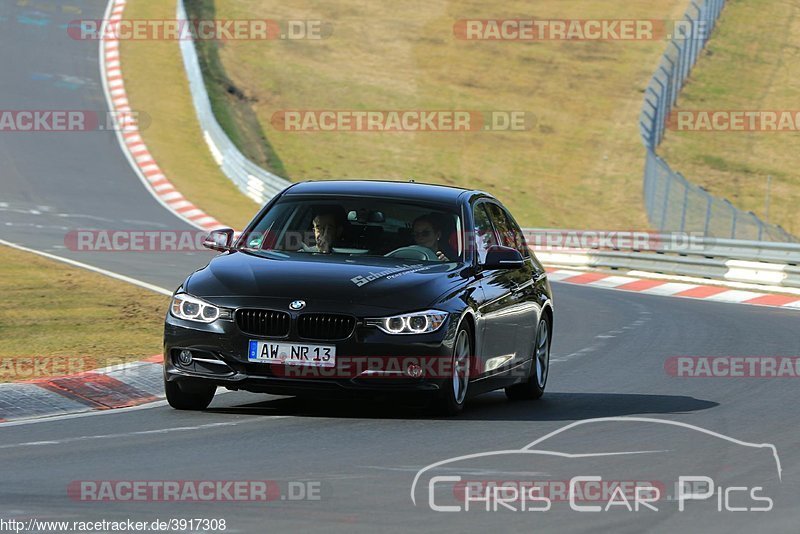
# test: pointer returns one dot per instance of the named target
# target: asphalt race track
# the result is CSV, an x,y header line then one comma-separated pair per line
x,y
365,456
609,354
55,182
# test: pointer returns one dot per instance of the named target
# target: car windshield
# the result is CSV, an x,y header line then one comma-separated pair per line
x,y
359,227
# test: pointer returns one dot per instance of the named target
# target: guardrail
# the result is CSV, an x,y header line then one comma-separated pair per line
x,y
754,262
672,202
252,180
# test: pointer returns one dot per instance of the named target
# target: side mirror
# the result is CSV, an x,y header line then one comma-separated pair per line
x,y
498,257
220,240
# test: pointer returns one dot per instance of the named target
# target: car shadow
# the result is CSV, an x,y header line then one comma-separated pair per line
x,y
489,407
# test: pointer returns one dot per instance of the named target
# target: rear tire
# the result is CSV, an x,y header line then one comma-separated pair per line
x,y
454,392
189,396
533,387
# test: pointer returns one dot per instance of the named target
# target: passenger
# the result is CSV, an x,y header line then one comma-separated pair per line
x,y
428,234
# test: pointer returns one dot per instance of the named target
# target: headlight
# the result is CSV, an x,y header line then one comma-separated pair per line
x,y
411,323
193,309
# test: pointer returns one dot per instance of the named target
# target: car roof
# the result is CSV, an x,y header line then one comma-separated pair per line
x,y
380,188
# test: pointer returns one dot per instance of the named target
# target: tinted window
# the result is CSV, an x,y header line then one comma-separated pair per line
x,y
510,233
358,226
484,233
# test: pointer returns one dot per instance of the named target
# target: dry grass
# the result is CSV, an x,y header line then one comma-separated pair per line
x,y
70,320
751,64
581,166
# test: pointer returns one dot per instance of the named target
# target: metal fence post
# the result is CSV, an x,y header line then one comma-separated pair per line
x,y
668,72
689,42
660,112
663,224
685,204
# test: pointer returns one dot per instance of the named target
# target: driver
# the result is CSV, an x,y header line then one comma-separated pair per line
x,y
428,234
328,225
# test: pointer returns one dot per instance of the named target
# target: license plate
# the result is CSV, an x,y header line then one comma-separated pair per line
x,y
291,353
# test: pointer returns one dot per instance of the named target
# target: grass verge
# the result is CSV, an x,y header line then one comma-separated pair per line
x,y
750,64
58,319
579,166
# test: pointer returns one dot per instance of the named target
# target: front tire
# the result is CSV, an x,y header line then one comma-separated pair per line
x,y
533,387
454,394
189,396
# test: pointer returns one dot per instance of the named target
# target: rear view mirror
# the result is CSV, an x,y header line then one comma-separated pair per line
x,y
220,240
498,257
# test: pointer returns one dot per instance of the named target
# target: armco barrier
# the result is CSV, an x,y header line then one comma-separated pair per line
x,y
252,180
753,262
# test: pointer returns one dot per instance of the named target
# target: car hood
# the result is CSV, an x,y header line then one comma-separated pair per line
x,y
375,280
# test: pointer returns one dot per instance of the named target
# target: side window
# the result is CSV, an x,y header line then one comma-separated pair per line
x,y
484,233
510,232
519,237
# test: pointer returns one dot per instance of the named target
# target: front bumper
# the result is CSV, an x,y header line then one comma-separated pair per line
x,y
369,361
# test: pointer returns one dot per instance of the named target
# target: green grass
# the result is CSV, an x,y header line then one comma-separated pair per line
x,y
580,166
68,320
751,63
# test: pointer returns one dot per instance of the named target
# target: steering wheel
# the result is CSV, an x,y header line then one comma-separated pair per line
x,y
413,252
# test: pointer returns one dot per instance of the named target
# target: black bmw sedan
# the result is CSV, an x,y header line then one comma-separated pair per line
x,y
364,287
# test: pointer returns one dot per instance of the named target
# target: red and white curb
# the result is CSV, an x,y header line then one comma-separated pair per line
x,y
668,288
130,137
119,386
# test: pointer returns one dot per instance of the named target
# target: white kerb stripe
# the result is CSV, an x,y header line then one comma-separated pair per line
x,y
178,204
670,288
613,281
561,274
174,195
734,295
